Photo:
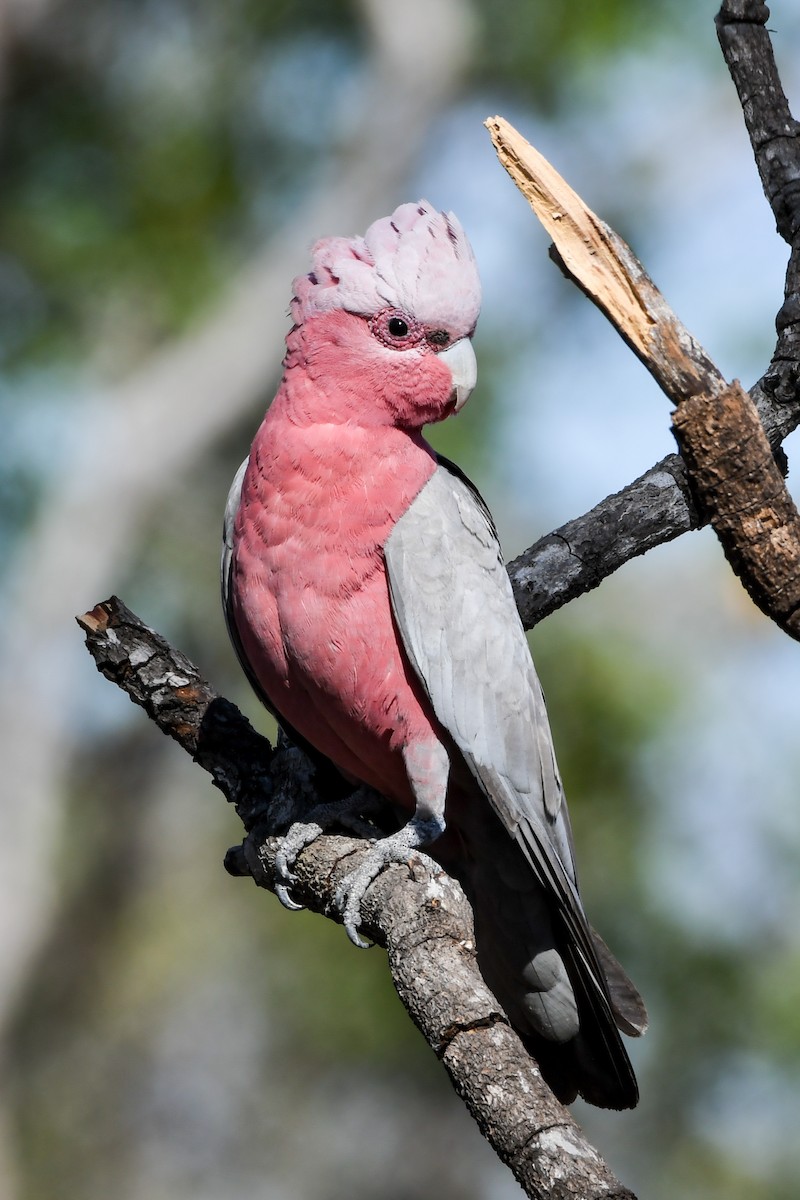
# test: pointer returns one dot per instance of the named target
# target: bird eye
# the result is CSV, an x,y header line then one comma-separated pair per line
x,y
396,329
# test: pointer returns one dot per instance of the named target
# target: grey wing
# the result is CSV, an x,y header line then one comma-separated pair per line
x,y
454,608
456,615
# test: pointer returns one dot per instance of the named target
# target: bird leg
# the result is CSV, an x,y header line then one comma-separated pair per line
x,y
428,767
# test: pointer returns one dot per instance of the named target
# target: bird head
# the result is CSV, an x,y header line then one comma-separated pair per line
x,y
384,322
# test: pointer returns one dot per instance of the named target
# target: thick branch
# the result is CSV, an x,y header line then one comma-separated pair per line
x,y
733,473
577,557
738,480
423,920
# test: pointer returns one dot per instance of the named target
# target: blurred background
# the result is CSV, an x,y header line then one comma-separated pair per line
x,y
168,1031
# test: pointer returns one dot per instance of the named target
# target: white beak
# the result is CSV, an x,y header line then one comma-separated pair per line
x,y
460,358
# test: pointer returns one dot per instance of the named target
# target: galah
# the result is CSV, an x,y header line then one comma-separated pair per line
x,y
367,599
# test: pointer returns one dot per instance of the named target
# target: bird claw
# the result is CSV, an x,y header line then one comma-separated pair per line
x,y
301,834
347,813
396,848
282,892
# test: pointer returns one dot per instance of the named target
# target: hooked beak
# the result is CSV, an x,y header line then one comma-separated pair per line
x,y
460,358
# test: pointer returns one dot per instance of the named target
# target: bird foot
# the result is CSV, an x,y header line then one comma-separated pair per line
x,y
348,813
396,848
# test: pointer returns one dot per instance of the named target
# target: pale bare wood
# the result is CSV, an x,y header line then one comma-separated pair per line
x,y
579,235
606,269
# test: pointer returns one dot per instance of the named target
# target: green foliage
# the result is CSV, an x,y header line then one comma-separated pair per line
x,y
339,1002
535,48
115,208
131,151
775,985
129,156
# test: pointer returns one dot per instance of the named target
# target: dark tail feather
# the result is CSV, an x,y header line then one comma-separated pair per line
x,y
603,1072
626,1003
594,1063
523,946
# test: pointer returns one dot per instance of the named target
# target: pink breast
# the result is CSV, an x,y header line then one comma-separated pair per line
x,y
311,600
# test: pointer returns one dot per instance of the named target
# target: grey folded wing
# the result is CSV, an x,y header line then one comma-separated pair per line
x,y
455,612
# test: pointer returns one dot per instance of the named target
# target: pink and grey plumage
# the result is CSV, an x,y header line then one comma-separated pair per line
x,y
367,599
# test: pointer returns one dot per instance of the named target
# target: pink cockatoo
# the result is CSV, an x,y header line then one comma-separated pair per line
x,y
367,599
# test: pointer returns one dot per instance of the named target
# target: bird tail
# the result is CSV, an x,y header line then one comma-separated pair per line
x,y
566,998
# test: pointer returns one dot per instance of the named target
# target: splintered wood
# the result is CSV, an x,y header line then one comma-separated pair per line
x,y
581,238
734,477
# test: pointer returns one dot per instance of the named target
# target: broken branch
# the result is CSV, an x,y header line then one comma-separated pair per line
x,y
732,472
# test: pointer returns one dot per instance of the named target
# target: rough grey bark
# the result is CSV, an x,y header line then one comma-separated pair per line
x,y
578,556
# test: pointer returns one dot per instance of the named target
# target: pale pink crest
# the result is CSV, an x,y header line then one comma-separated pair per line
x,y
418,260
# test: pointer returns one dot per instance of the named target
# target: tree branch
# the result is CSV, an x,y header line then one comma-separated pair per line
x,y
577,557
658,507
775,138
732,472
774,133
424,921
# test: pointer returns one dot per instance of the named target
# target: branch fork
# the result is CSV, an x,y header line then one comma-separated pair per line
x,y
733,477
